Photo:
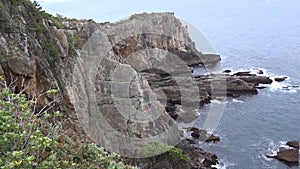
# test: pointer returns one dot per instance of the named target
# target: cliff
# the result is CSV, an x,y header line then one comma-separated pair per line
x,y
136,72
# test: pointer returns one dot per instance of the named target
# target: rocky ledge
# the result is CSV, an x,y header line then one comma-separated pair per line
x,y
170,92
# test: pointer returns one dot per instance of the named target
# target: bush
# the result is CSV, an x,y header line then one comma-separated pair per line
x,y
36,140
158,151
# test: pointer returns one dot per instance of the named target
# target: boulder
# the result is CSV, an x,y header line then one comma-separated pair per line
x,y
290,157
280,79
294,144
213,138
260,72
227,71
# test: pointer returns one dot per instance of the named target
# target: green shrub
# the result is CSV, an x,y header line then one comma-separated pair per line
x,y
158,151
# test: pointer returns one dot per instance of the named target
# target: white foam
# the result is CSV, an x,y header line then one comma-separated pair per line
x,y
255,70
219,166
237,101
223,164
216,101
252,70
284,86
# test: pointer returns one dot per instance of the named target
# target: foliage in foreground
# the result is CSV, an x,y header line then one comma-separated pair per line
x,y
36,140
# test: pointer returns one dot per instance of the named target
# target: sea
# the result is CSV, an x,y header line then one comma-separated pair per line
x,y
256,35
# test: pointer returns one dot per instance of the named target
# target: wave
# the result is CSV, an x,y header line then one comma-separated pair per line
x,y
268,147
223,164
237,101
286,86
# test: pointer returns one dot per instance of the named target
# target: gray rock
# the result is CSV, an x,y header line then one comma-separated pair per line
x,y
21,66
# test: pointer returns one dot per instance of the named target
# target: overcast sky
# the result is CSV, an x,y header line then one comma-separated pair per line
x,y
113,10
212,17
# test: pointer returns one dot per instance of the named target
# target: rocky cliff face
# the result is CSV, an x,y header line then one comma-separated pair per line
x,y
126,67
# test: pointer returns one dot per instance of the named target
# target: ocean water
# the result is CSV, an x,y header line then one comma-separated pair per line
x,y
258,34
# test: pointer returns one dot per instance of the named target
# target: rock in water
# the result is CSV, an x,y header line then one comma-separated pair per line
x,y
204,136
260,72
294,144
227,71
280,79
289,157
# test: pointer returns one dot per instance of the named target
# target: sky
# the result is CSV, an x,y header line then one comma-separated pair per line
x,y
104,10
214,18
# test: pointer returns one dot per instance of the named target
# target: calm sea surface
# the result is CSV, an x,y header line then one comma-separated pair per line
x,y
263,35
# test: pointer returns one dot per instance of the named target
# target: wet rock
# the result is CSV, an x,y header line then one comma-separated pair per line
x,y
191,141
213,138
256,79
227,71
280,79
193,129
261,87
289,157
204,136
246,73
294,144
237,87
260,72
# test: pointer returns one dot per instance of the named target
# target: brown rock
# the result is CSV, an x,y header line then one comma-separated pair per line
x,y
294,144
290,157
213,138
